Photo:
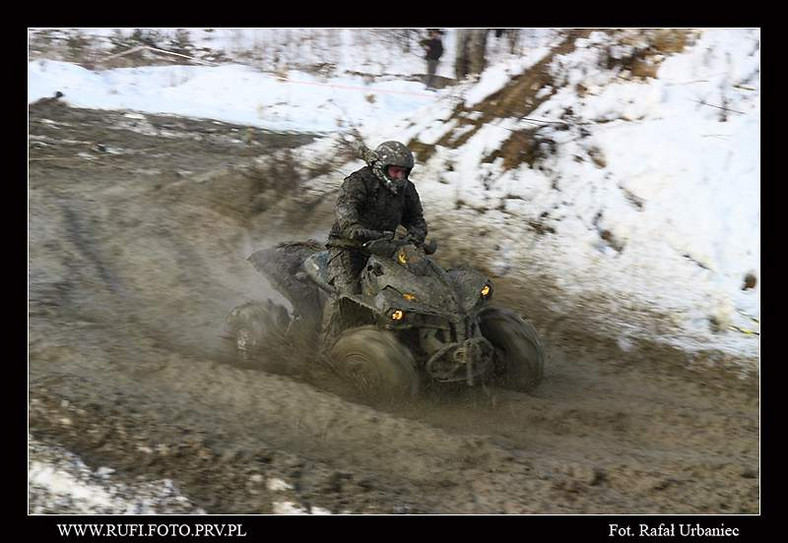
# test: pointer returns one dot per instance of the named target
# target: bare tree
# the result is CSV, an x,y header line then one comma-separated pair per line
x,y
181,42
471,45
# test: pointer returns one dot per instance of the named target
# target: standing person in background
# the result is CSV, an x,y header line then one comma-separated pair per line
x,y
433,48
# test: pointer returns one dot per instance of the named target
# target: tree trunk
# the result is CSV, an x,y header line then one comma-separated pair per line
x,y
471,44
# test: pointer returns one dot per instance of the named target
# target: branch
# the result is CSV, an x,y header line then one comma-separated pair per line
x,y
701,102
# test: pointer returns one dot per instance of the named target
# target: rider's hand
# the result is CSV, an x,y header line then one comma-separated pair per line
x,y
365,234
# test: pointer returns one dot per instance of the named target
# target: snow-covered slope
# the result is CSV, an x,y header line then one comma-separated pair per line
x,y
644,192
636,186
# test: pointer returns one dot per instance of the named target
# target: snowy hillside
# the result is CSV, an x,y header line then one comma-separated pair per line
x,y
635,185
647,191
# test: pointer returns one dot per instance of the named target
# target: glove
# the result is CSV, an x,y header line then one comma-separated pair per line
x,y
365,234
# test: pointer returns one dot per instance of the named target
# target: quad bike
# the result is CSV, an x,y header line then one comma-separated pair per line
x,y
413,322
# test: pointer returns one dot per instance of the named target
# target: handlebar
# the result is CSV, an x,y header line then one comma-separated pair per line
x,y
387,244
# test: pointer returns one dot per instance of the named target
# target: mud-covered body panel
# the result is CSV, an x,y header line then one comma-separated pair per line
x,y
434,312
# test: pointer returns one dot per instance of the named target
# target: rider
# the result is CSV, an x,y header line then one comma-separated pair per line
x,y
372,201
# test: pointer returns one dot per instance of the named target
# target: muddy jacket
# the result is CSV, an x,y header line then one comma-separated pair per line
x,y
365,204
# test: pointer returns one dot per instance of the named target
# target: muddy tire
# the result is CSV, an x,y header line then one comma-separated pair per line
x,y
518,347
253,328
375,363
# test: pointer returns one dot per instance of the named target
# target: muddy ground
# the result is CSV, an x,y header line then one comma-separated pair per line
x,y
139,229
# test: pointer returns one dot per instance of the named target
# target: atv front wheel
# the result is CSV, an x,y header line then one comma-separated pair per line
x,y
253,328
517,346
375,363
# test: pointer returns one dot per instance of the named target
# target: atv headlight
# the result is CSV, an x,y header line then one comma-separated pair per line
x,y
397,315
486,291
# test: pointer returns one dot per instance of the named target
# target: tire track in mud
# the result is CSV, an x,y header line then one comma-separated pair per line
x,y
394,462
137,369
77,232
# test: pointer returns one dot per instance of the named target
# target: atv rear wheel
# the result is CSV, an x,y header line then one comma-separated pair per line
x,y
254,328
375,363
518,347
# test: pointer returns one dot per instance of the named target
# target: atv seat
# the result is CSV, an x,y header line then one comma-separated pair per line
x,y
316,267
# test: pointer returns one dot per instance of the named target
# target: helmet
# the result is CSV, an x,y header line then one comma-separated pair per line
x,y
392,153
